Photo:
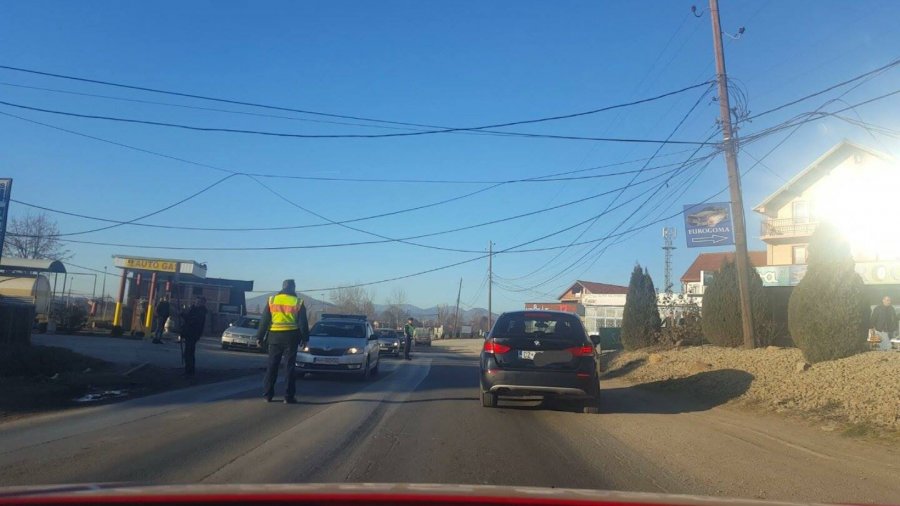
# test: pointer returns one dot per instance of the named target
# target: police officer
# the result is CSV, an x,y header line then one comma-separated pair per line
x,y
285,320
409,330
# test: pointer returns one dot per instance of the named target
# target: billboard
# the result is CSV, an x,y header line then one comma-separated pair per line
x,y
708,224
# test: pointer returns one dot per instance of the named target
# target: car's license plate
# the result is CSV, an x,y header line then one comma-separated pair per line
x,y
527,355
325,360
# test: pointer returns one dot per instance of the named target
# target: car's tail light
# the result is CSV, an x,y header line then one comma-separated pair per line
x,y
492,347
582,351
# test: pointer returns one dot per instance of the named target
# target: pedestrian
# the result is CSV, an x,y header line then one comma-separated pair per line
x,y
884,323
409,330
194,320
284,326
163,310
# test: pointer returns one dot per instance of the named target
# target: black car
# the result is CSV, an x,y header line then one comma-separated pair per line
x,y
390,342
545,353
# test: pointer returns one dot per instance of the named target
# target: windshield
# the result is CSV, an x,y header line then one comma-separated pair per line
x,y
250,323
631,246
339,329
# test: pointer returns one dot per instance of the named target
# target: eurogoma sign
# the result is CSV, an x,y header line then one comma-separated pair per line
x,y
708,224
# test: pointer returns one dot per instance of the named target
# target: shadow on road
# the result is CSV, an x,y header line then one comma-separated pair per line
x,y
698,392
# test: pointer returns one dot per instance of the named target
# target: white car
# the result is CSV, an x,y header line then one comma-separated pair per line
x,y
344,344
242,334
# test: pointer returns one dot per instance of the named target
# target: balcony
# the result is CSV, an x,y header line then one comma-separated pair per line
x,y
786,229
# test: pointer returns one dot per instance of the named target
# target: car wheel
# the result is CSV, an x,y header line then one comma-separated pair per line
x,y
488,400
375,369
364,375
591,406
224,346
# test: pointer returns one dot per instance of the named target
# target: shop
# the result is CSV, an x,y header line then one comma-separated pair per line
x,y
144,281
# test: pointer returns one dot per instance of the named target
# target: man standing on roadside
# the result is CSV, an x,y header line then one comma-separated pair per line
x,y
409,330
884,323
162,314
191,330
286,323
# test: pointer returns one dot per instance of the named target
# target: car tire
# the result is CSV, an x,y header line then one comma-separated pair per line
x,y
364,375
488,400
375,369
591,406
224,346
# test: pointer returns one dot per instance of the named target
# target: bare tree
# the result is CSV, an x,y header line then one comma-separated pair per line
x,y
34,236
396,313
353,300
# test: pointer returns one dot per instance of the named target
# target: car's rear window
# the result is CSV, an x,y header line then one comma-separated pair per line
x,y
537,324
339,329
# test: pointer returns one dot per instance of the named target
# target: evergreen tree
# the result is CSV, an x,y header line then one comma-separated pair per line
x,y
640,318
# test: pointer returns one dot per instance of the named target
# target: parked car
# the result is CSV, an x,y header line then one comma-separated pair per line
x,y
344,344
422,336
242,334
540,353
391,342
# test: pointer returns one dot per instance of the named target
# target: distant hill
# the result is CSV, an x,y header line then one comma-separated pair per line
x,y
256,305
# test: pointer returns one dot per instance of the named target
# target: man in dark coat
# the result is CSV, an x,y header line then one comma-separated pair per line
x,y
191,330
884,323
163,310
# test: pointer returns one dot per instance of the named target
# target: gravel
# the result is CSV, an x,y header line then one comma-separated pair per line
x,y
863,389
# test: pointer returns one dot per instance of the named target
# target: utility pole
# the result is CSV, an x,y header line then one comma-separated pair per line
x,y
456,323
668,237
103,311
490,285
742,259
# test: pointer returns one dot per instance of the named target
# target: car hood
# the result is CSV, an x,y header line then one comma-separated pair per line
x,y
388,339
336,342
241,331
357,493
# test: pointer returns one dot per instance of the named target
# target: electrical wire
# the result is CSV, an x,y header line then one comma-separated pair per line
x,y
267,133
436,129
359,243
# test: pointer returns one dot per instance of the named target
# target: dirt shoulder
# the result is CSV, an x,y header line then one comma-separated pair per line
x,y
53,379
859,395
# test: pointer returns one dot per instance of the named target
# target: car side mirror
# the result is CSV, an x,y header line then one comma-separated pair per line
x,y
595,338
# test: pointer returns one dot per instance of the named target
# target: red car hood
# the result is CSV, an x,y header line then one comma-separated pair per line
x,y
363,493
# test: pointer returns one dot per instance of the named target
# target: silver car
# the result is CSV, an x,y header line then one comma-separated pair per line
x,y
344,344
242,334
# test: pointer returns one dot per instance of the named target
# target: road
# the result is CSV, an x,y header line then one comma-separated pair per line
x,y
210,354
421,422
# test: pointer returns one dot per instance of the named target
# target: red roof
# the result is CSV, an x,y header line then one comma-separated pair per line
x,y
713,262
597,288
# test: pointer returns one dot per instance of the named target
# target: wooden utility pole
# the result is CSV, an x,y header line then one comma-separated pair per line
x,y
456,323
742,259
490,285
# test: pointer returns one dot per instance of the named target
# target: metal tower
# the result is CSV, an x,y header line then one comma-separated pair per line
x,y
668,234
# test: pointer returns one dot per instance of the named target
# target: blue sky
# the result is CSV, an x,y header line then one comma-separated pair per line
x,y
441,63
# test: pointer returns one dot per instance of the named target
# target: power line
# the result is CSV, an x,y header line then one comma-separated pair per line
x,y
547,177
387,240
313,225
892,64
341,136
437,129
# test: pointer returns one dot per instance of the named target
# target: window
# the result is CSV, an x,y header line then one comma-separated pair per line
x,y
544,325
799,255
801,212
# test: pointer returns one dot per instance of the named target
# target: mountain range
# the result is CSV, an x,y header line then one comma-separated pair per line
x,y
256,305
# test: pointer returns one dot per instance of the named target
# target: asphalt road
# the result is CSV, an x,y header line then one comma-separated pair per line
x,y
421,422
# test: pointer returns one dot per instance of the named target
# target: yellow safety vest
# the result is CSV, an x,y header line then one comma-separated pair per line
x,y
284,309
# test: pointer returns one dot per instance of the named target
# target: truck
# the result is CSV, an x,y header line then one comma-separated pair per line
x,y
34,290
